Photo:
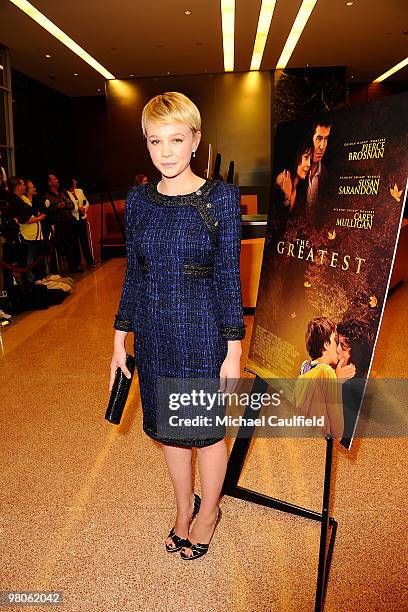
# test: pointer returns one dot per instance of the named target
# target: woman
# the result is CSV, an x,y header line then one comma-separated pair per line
x,y
289,193
288,181
140,179
182,299
355,347
80,221
32,239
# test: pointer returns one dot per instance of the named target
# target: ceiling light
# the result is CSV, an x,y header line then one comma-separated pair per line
x,y
391,71
349,3
99,89
264,23
299,24
187,12
48,25
47,55
76,74
228,25
131,76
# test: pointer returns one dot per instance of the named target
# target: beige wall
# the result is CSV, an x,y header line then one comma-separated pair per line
x,y
243,126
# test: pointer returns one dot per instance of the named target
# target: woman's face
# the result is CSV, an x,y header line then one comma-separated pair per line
x,y
30,189
304,165
170,146
20,189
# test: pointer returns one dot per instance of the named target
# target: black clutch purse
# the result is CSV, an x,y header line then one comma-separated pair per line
x,y
120,392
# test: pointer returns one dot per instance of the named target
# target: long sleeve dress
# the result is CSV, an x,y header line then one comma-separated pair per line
x,y
182,292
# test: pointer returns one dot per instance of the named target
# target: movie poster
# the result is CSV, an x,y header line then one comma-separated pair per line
x,y
339,190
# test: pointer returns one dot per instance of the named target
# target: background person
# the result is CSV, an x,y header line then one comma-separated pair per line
x,y
79,213
3,174
31,238
12,210
18,213
140,179
59,205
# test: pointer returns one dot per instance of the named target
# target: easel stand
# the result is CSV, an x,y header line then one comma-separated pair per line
x,y
328,524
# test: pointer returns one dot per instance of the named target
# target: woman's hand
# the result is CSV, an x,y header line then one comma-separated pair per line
x,y
230,369
284,181
118,357
343,372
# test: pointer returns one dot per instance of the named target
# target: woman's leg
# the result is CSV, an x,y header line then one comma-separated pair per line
x,y
179,465
212,466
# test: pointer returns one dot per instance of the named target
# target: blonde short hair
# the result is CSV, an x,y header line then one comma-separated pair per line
x,y
171,106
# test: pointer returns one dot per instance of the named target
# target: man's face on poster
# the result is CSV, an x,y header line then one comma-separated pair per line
x,y
343,349
331,349
320,139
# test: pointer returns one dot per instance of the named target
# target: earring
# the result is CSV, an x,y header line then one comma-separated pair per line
x,y
193,153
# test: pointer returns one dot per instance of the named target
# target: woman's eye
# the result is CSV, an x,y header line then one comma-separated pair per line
x,y
154,142
177,140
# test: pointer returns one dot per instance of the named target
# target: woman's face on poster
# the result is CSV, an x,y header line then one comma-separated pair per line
x,y
343,350
304,165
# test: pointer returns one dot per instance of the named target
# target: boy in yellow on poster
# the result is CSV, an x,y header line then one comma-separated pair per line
x,y
318,389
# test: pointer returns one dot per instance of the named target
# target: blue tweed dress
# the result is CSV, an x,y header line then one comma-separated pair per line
x,y
181,295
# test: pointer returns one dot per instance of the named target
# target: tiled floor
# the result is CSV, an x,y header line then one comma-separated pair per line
x,y
85,505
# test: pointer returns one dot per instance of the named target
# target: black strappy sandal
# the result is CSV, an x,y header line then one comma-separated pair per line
x,y
198,549
178,541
